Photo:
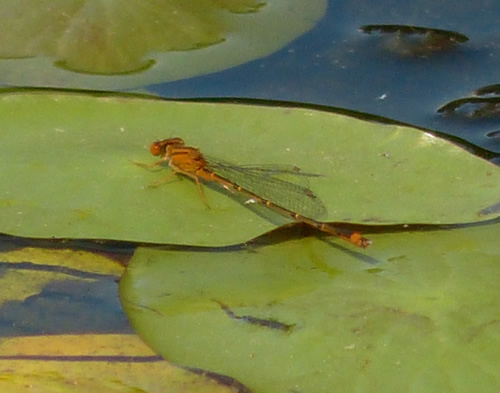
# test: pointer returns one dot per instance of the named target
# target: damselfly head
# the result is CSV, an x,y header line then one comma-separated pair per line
x,y
156,148
159,148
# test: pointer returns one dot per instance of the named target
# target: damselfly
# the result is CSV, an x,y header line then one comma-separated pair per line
x,y
259,184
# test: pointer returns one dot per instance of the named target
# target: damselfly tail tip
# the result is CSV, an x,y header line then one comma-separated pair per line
x,y
357,239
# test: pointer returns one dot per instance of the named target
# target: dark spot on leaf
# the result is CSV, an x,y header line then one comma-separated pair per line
x,y
220,379
495,208
269,323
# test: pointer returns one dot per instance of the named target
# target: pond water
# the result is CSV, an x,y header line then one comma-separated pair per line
x,y
337,65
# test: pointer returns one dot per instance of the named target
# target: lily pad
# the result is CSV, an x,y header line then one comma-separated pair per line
x,y
116,45
68,169
305,316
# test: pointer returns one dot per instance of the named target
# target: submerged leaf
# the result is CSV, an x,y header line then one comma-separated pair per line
x,y
93,363
115,44
63,330
416,41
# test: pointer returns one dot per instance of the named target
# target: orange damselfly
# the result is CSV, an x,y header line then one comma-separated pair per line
x,y
258,183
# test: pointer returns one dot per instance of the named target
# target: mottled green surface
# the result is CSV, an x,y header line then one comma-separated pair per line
x,y
415,312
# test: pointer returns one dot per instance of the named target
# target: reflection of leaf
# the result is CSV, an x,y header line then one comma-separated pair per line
x,y
68,169
423,318
146,41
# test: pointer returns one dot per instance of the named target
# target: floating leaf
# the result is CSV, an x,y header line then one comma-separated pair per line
x,y
69,169
415,312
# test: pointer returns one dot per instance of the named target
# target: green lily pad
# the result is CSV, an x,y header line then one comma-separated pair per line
x,y
68,168
117,45
306,316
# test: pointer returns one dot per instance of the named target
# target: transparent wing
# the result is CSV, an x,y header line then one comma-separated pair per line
x,y
284,185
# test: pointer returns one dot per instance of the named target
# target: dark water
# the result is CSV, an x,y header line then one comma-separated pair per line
x,y
337,65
